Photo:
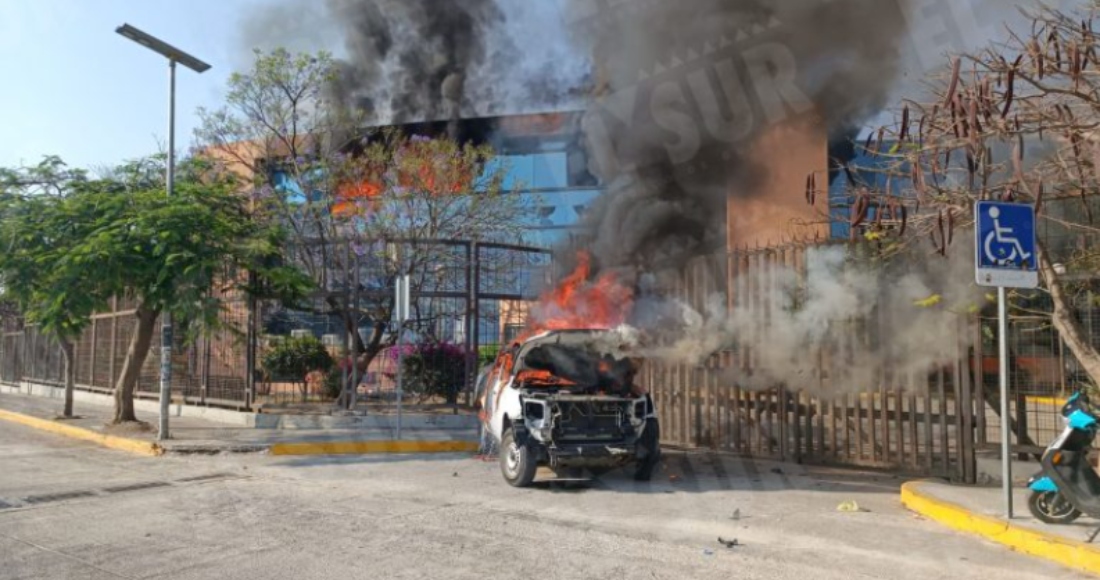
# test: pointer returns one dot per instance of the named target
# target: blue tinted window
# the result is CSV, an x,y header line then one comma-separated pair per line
x,y
535,171
867,170
285,184
292,187
548,171
559,208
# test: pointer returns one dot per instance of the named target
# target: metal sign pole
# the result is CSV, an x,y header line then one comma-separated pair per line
x,y
1006,432
1006,256
402,307
400,372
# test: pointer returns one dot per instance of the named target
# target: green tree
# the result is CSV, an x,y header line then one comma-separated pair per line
x,y
335,185
123,236
36,236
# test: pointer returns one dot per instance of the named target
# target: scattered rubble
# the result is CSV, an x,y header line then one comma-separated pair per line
x,y
850,506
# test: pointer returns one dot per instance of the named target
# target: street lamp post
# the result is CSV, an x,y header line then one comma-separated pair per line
x,y
173,55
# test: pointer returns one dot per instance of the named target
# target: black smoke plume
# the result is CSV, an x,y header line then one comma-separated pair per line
x,y
686,88
410,58
428,60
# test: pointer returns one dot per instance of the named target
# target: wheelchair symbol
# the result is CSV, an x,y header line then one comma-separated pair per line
x,y
1001,241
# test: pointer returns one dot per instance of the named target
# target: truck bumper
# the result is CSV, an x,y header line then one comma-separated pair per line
x,y
592,454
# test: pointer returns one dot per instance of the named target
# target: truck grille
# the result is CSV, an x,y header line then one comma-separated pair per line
x,y
590,421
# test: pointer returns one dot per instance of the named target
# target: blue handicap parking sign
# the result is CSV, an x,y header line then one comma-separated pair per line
x,y
1005,243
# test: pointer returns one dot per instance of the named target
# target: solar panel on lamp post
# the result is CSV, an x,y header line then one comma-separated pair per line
x,y
173,55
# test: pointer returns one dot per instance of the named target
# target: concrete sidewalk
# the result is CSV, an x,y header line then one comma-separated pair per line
x,y
980,511
194,435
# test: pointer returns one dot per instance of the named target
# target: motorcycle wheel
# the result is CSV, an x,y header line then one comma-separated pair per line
x,y
1051,508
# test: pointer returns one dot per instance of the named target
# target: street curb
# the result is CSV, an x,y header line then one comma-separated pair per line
x,y
1070,553
1053,401
200,449
137,446
371,447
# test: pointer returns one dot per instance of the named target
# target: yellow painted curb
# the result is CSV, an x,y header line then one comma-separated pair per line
x,y
365,447
1055,401
1077,555
121,443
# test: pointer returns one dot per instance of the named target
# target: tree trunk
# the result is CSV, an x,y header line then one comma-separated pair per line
x,y
131,365
1066,323
362,359
70,377
349,322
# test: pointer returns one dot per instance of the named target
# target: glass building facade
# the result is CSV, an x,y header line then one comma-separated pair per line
x,y
542,160
557,200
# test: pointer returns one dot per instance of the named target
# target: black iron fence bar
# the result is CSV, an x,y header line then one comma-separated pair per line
x,y
427,242
513,247
431,294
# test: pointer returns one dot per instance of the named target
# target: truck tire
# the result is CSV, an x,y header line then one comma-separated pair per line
x,y
649,451
517,462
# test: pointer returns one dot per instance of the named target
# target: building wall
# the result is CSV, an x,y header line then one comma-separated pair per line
x,y
775,209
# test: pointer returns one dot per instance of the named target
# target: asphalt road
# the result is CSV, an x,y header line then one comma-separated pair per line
x,y
73,510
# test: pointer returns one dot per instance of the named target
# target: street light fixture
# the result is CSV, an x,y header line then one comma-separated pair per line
x,y
173,55
163,48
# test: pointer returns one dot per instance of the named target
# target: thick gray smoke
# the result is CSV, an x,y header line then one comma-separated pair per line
x,y
411,57
427,60
861,324
688,87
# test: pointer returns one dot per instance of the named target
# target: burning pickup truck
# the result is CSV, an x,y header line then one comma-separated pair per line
x,y
567,399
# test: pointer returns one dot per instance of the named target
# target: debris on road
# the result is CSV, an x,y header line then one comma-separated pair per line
x,y
729,544
736,515
850,506
708,552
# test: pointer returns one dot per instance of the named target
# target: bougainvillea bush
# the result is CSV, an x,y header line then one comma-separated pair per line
x,y
435,369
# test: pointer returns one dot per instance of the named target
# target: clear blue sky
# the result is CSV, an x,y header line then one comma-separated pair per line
x,y
74,88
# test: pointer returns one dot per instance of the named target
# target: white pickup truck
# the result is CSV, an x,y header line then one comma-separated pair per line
x,y
567,399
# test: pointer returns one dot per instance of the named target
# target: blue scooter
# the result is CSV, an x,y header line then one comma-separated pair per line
x,y
1068,486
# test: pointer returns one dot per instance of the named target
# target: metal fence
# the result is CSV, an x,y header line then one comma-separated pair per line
x,y
1043,373
919,422
931,421
206,371
469,298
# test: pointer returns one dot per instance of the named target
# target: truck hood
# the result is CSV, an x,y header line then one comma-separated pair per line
x,y
590,359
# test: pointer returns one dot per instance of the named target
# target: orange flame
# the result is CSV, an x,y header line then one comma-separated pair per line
x,y
436,178
578,303
422,172
348,194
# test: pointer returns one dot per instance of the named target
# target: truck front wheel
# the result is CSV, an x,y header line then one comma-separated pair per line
x,y
517,462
